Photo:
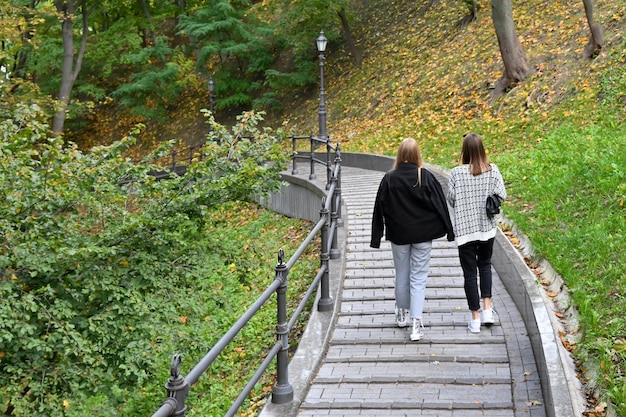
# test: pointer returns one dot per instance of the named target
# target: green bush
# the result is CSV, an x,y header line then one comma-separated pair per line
x,y
92,247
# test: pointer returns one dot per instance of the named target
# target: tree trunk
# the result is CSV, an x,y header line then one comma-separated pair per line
x,y
594,46
70,70
472,12
350,44
19,65
182,4
149,31
513,56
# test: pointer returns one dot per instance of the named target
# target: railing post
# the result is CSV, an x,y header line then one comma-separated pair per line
x,y
325,303
294,152
173,160
313,141
337,201
335,253
177,387
328,164
192,149
282,391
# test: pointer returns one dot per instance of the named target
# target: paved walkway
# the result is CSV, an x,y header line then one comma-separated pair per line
x,y
371,368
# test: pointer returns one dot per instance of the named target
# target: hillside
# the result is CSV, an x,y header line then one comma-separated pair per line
x,y
426,75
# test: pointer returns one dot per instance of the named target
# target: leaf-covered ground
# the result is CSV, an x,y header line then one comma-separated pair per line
x,y
425,75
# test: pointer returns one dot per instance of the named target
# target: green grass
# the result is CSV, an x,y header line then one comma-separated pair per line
x,y
568,194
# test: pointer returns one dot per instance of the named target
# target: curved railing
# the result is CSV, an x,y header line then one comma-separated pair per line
x,y
178,386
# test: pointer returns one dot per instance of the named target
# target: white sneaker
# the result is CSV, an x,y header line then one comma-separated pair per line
x,y
474,325
418,330
402,317
487,318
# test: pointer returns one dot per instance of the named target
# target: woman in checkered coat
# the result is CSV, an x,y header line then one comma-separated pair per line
x,y
468,187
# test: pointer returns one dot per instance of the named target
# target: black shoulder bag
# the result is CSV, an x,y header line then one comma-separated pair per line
x,y
493,202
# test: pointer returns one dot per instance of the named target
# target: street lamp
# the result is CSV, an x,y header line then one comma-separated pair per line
x,y
211,97
321,47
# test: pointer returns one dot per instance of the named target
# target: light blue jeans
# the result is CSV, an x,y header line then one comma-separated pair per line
x,y
411,263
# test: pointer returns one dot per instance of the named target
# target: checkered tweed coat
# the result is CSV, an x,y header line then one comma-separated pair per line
x,y
467,195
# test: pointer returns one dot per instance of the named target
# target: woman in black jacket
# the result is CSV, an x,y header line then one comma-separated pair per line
x,y
412,207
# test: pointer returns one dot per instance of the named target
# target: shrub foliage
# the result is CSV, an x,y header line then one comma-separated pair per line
x,y
91,243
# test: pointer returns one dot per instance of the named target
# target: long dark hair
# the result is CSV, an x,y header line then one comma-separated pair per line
x,y
473,153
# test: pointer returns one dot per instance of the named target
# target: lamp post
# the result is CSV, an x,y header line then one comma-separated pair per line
x,y
321,47
211,97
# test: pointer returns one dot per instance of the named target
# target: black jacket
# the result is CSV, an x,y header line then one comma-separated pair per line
x,y
411,213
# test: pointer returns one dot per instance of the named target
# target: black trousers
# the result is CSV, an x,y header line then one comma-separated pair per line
x,y
475,260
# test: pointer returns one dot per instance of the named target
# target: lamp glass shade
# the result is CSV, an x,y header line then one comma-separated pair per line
x,y
211,85
321,42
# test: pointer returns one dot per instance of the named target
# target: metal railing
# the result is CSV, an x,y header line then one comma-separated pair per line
x,y
310,156
178,386
178,160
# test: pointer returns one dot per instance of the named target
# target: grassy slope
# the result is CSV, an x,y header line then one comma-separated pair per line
x,y
559,138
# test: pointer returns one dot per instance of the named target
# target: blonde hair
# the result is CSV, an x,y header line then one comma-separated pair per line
x,y
408,151
473,153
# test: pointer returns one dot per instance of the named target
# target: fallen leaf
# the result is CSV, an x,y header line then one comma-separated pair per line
x,y
600,408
